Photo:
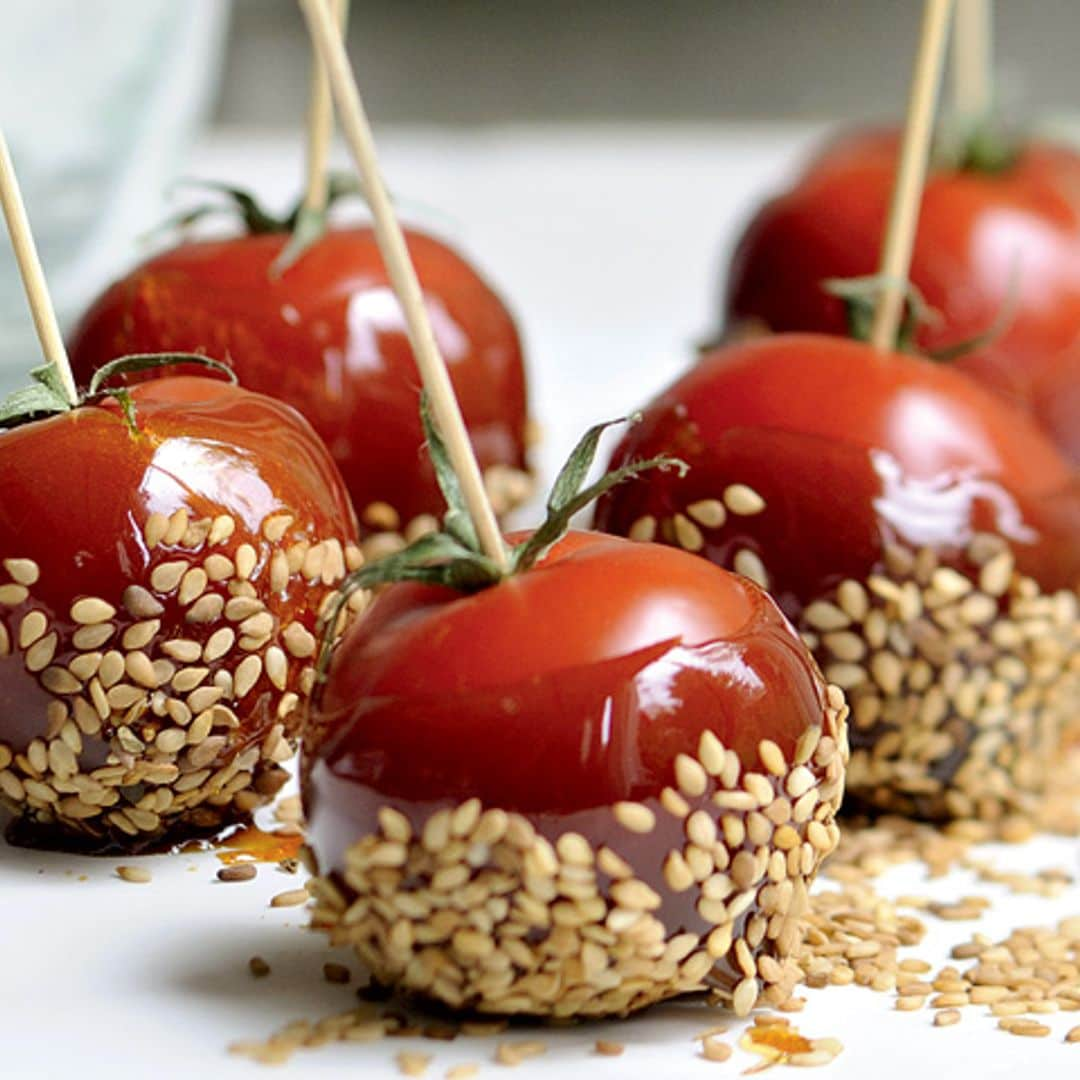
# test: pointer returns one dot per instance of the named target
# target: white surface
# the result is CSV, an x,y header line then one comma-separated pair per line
x,y
608,245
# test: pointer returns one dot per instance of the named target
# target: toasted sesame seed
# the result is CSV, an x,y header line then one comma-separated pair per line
x,y
514,1053
1073,1035
13,595
140,669
166,576
290,898
218,644
687,534
743,500
246,676
40,655
748,563
246,559
206,609
299,640
186,652
690,776
59,681
137,875
712,1049
91,610
277,667
772,757
221,529
192,586
634,816
744,997
275,526
1028,1028
608,1048
33,626
141,603
946,1018
643,529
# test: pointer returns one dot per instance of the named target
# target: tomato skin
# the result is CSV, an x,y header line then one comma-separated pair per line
x,y
820,425
328,337
551,698
77,492
987,244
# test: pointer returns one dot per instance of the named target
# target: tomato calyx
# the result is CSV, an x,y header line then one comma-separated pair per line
x,y
982,144
45,395
860,296
305,224
453,557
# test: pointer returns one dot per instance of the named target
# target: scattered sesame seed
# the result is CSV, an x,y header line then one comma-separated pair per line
x,y
258,967
137,875
290,898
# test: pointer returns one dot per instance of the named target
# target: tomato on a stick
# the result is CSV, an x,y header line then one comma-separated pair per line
x,y
164,554
571,777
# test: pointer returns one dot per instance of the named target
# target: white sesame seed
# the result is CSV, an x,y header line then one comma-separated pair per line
x,y
743,500
643,529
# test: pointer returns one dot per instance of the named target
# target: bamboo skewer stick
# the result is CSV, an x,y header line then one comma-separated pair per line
x,y
33,277
910,174
972,64
320,122
395,253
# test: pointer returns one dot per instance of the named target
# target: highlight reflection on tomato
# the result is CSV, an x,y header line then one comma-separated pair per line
x,y
159,591
994,249
583,736
916,528
327,336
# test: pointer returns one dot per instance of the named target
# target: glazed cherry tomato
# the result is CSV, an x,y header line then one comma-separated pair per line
x,y
327,336
922,534
993,248
160,582
586,785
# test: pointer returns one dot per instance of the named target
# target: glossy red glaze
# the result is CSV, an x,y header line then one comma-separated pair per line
x,y
986,243
328,337
76,493
554,694
849,449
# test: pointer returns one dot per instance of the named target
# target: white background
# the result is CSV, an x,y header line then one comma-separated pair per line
x,y
608,243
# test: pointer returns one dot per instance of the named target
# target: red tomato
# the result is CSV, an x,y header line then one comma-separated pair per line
x,y
159,590
576,730
988,243
328,337
869,493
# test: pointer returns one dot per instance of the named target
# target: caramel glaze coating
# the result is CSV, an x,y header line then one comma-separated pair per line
x,y
156,612
575,697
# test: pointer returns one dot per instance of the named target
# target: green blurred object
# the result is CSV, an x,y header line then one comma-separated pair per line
x,y
99,101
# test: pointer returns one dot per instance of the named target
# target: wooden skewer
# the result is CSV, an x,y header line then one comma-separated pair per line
x,y
320,121
972,51
910,174
391,241
33,278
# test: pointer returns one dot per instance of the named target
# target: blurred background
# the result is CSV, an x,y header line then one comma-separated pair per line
x,y
481,62
572,147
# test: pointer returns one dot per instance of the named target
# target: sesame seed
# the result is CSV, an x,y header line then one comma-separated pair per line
x,y
299,640
246,559
206,609
713,1049
178,525
275,526
708,512
743,500
165,577
744,997
218,644
33,626
91,610
290,898
276,666
13,595
140,603
246,676
947,1017
643,529
137,875
1027,1028
608,1048
690,776
40,655
634,816
687,534
748,563
192,586
772,757
221,529
22,571
59,681
140,669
